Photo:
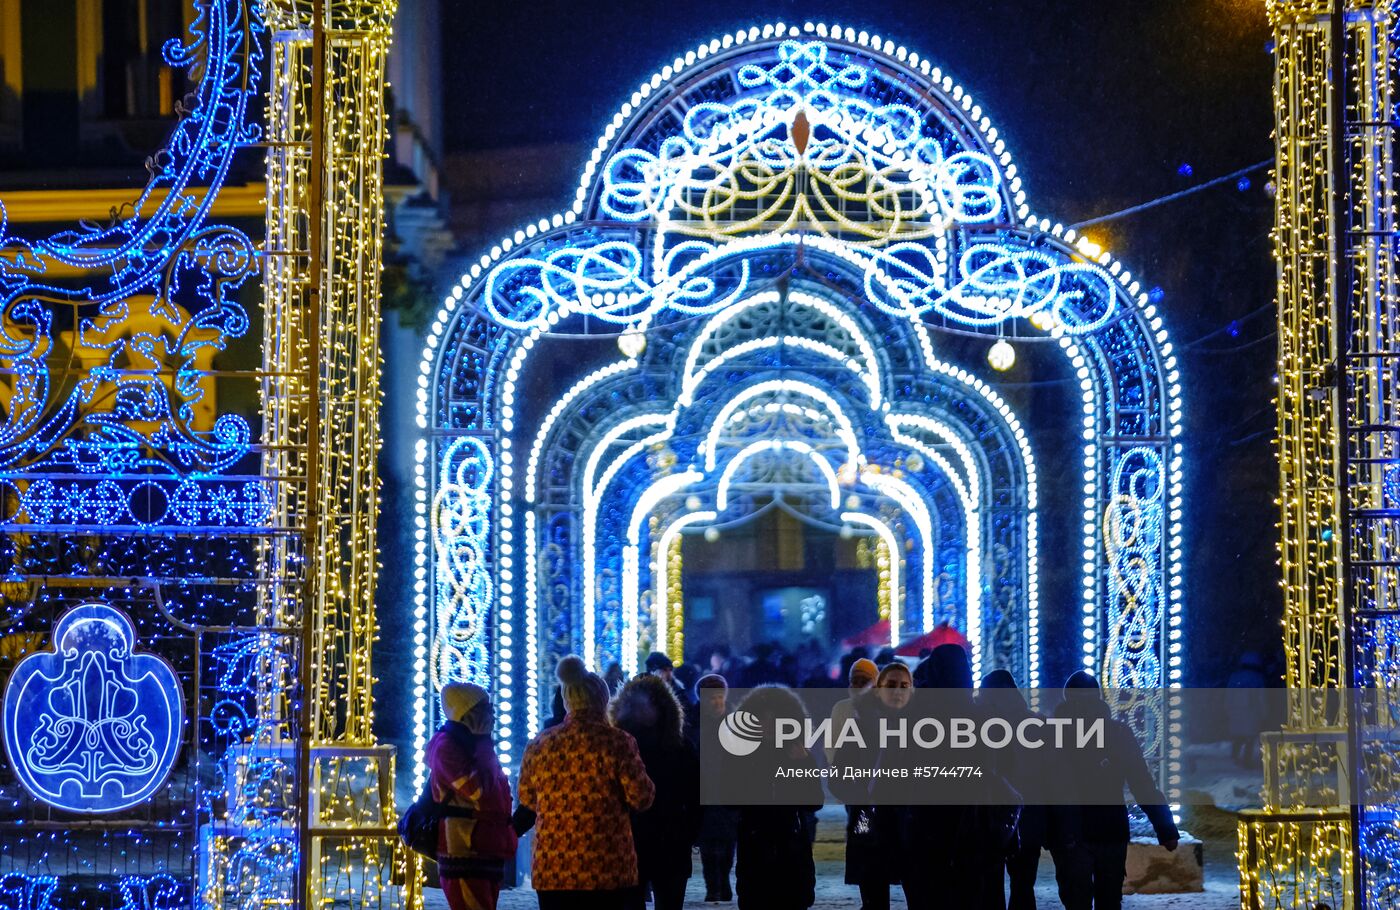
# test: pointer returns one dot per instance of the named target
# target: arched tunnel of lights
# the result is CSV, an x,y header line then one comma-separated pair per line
x,y
768,238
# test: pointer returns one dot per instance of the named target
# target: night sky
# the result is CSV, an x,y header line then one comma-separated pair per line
x,y
1104,105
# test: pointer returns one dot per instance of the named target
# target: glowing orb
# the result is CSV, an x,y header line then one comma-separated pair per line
x,y
1002,355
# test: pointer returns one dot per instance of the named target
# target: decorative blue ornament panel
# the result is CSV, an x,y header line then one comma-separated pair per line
x,y
136,657
93,725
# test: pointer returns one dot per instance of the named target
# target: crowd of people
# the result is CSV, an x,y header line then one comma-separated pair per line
x,y
612,791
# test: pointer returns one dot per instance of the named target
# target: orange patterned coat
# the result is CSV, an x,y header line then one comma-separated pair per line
x,y
582,777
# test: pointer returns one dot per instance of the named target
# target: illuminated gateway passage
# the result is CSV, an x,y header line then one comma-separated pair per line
x,y
768,237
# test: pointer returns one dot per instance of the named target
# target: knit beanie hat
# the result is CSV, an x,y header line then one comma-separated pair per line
x,y
891,669
458,699
711,681
582,690
865,670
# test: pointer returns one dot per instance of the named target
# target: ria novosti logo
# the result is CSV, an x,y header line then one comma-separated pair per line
x,y
740,733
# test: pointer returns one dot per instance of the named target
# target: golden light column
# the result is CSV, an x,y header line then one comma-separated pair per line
x,y
1336,311
326,137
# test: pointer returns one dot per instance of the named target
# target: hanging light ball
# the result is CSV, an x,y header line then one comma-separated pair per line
x,y
712,534
1002,356
847,532
632,342
692,503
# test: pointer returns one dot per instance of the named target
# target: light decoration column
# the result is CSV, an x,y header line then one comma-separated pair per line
x,y
324,241
1326,835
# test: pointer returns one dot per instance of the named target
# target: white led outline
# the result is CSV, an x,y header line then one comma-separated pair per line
x,y
896,594
660,570
776,445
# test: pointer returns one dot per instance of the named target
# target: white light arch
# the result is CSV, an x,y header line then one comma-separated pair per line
x,y
972,270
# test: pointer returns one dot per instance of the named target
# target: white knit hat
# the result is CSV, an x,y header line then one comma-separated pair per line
x,y
458,698
581,690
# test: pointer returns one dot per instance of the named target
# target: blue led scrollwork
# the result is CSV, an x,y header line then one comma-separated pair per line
x,y
155,302
27,892
462,514
990,283
856,155
161,891
93,726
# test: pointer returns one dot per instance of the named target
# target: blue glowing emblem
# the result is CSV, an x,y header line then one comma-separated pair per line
x,y
92,726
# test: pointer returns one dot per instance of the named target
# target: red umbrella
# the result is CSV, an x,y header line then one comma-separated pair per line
x,y
878,635
941,634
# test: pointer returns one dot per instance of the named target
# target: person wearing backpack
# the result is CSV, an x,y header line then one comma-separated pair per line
x,y
475,837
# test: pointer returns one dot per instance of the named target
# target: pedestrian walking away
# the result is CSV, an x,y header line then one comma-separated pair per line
x,y
465,774
1000,697
1091,849
664,833
581,779
775,869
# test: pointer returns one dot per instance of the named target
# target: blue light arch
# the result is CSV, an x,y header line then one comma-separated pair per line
x,y
956,453
757,150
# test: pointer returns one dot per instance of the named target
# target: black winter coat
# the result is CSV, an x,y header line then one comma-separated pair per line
x,y
1095,779
880,835
664,833
1021,767
774,868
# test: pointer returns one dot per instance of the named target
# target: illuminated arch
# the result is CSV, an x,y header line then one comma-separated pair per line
x,y
626,437
909,211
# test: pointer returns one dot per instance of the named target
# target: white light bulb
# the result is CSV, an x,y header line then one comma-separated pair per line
x,y
1002,355
632,343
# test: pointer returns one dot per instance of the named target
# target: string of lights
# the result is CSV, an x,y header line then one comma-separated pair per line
x,y
1335,71
1173,197
327,131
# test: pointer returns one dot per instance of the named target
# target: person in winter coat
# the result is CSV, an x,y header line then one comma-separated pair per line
x,y
463,772
647,709
658,664
859,680
966,834
860,824
719,825
1090,862
882,846
580,779
1000,697
775,869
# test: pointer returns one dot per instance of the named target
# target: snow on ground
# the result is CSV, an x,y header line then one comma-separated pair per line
x,y
1214,827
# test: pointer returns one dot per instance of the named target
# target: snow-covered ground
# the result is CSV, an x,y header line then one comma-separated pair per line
x,y
1213,827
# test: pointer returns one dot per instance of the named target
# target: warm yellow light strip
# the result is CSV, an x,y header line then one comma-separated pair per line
x,y
675,595
1307,416
1291,858
324,251
44,206
884,568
